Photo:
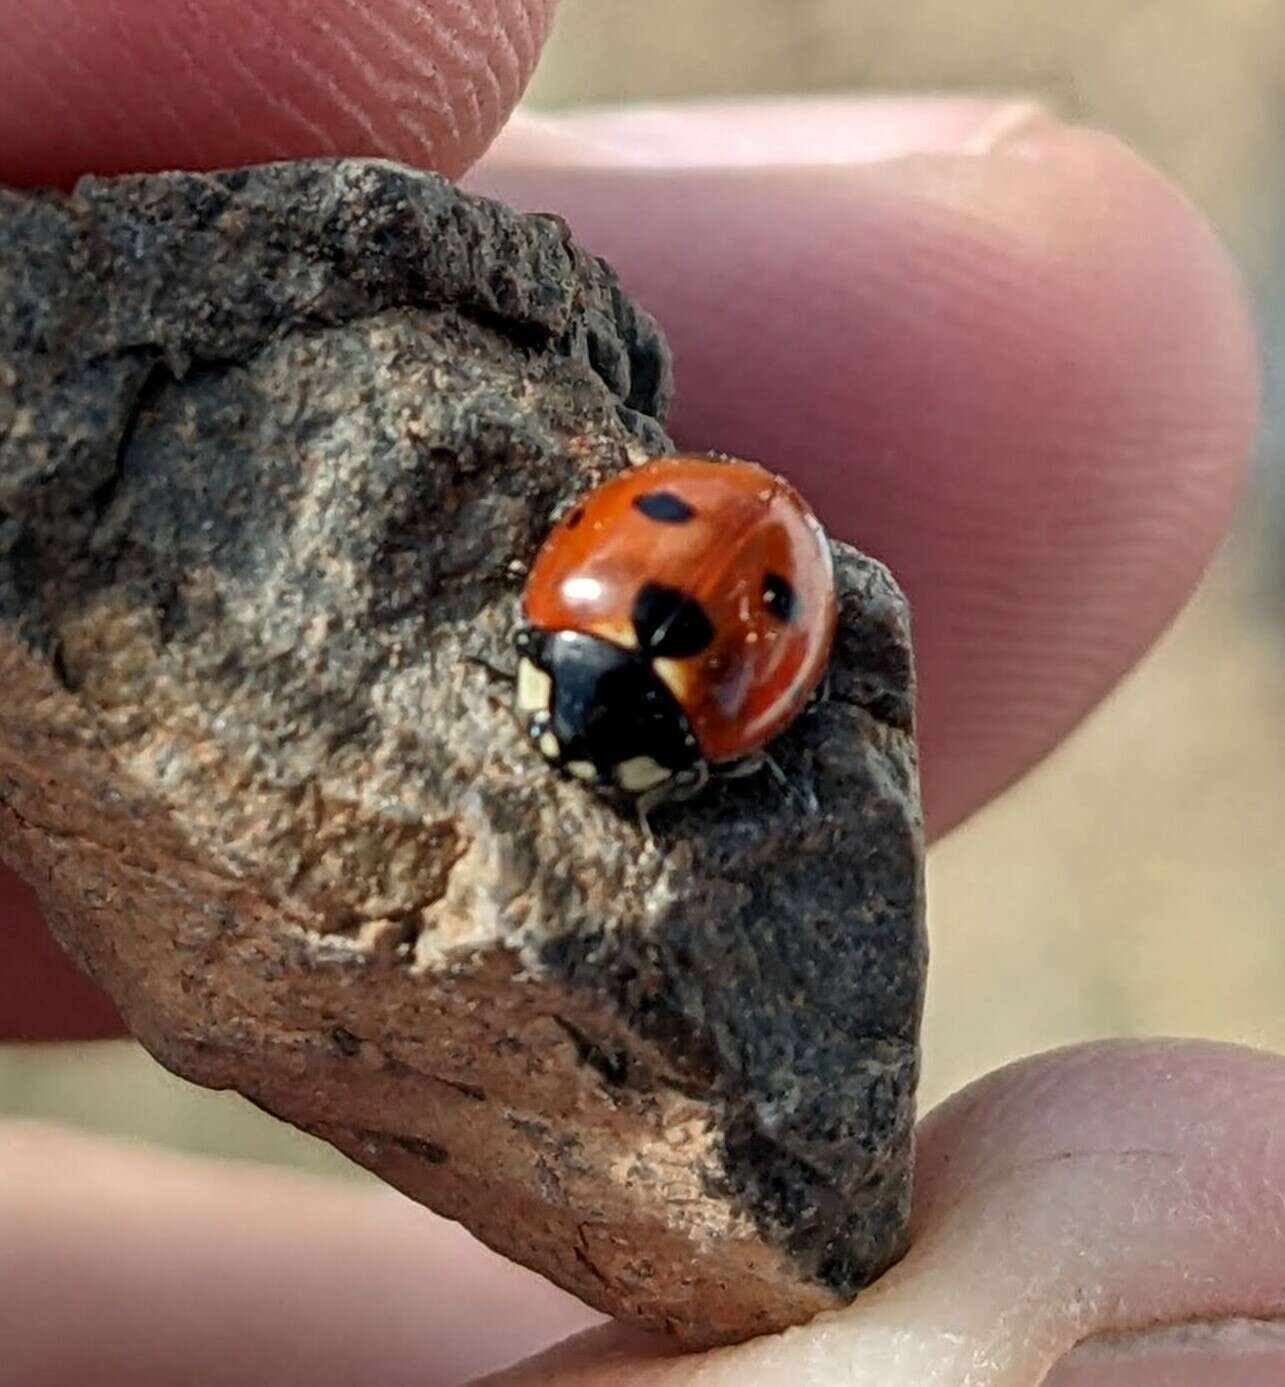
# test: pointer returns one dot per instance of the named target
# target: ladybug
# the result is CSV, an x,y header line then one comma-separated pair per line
x,y
677,619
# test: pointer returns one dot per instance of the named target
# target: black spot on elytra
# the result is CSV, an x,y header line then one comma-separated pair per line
x,y
779,597
669,623
664,506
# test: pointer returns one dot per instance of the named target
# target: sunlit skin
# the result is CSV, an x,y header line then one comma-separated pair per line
x,y
1000,353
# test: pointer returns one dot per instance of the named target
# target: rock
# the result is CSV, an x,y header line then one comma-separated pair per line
x,y
274,445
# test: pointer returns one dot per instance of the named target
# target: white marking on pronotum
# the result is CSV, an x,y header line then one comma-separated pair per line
x,y
535,688
640,773
549,745
582,770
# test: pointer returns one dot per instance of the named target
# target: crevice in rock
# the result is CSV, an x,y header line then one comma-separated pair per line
x,y
145,393
614,1066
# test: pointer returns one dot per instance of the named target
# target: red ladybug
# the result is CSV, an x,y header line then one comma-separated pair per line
x,y
678,618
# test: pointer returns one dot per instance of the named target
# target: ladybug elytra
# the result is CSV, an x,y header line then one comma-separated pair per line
x,y
678,618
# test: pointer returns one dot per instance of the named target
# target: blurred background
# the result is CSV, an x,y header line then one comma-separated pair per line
x,y
1136,883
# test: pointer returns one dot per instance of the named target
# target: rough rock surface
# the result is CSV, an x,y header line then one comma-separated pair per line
x,y
273,447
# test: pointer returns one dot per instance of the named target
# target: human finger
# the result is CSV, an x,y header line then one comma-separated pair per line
x,y
1105,1189
130,85
132,1265
1001,354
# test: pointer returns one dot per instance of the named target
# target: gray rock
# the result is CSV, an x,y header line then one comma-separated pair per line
x,y
274,445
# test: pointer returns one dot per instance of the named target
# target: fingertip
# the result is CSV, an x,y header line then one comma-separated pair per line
x,y
793,132
1095,389
1115,1096
1019,369
135,85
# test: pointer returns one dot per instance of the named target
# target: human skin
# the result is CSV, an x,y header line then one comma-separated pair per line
x,y
997,352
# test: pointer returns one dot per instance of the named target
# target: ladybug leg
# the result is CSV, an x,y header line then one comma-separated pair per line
x,y
685,785
808,800
643,806
751,765
774,766
689,783
759,761
747,765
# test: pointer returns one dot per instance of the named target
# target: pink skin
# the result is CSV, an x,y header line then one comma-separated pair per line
x,y
1104,1188
1113,1187
1015,375
119,85
1001,354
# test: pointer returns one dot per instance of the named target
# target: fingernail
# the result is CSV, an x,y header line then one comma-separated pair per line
x,y
1007,125
773,132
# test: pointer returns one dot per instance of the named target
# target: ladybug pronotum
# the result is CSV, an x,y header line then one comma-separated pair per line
x,y
677,619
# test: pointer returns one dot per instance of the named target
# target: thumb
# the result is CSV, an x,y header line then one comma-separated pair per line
x,y
130,85
1112,1188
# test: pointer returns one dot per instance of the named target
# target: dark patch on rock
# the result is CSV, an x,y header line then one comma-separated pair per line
x,y
425,1150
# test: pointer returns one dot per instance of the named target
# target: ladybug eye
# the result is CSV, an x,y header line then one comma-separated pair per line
x,y
778,597
664,506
